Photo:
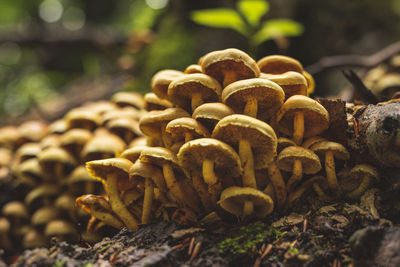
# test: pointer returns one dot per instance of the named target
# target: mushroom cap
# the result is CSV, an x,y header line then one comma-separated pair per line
x,y
194,68
100,107
8,136
292,83
261,136
79,174
4,225
141,170
159,156
33,130
27,151
216,63
5,156
125,112
63,229
284,142
132,153
234,197
181,89
193,153
150,124
65,202
132,99
269,95
276,64
361,170
310,161
161,81
101,144
178,127
51,140
15,209
44,215
75,136
308,143
339,151
153,102
138,141
100,169
316,117
211,113
118,126
82,118
53,155
58,127
30,168
33,239
44,190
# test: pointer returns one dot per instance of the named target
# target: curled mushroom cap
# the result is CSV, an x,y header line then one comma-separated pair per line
x,y
257,97
187,129
153,102
161,81
229,65
209,114
234,199
276,64
128,99
194,68
191,90
292,83
301,116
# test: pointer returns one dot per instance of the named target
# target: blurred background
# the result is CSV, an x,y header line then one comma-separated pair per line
x,y
57,54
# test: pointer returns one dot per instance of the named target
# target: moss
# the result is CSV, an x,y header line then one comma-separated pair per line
x,y
248,238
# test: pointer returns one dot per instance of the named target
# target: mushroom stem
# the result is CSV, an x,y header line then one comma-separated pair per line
x,y
197,100
148,200
296,194
164,136
59,171
214,184
248,208
188,137
204,195
116,202
246,157
297,174
330,171
298,127
319,191
278,184
356,193
89,187
270,191
229,77
128,136
251,108
107,218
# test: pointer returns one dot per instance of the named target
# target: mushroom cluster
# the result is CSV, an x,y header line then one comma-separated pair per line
x,y
228,137
45,165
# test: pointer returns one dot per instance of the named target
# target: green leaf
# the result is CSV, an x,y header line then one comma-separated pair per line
x,y
277,27
220,18
253,10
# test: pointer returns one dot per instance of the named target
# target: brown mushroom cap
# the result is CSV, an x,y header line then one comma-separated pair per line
x,y
233,199
339,151
15,209
125,112
126,128
132,153
43,191
308,143
99,169
310,161
82,118
316,117
261,136
153,102
193,153
34,239
159,156
100,107
8,136
62,230
292,83
51,156
178,128
128,99
58,127
45,215
269,96
182,89
218,63
284,142
161,81
209,114
141,170
30,168
276,64
27,151
103,145
194,68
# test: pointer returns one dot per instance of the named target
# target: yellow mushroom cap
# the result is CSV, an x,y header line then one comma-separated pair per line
x,y
310,161
58,127
125,112
79,174
15,209
27,151
138,141
132,153
89,202
34,239
45,215
284,142
269,96
8,136
153,102
82,118
141,170
30,168
211,113
33,130
5,157
276,64
100,107
261,136
42,191
233,199
364,169
99,169
63,230
150,124
316,117
292,83
75,136
159,156
100,144
308,143
339,151
48,157
216,63
117,126
132,99
194,68
193,153
161,81
178,127
181,90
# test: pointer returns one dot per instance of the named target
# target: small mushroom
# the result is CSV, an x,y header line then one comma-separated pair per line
x,y
229,65
191,90
110,172
292,83
132,153
331,150
211,159
363,174
128,99
79,182
102,146
43,195
51,140
277,64
284,142
62,231
56,163
9,136
161,81
310,82
301,116
18,216
299,191
194,68
100,208
126,128
34,239
308,143
258,98
153,102
74,140
82,118
126,112
31,131
298,160
100,107
236,200
209,114
168,161
43,216
5,240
